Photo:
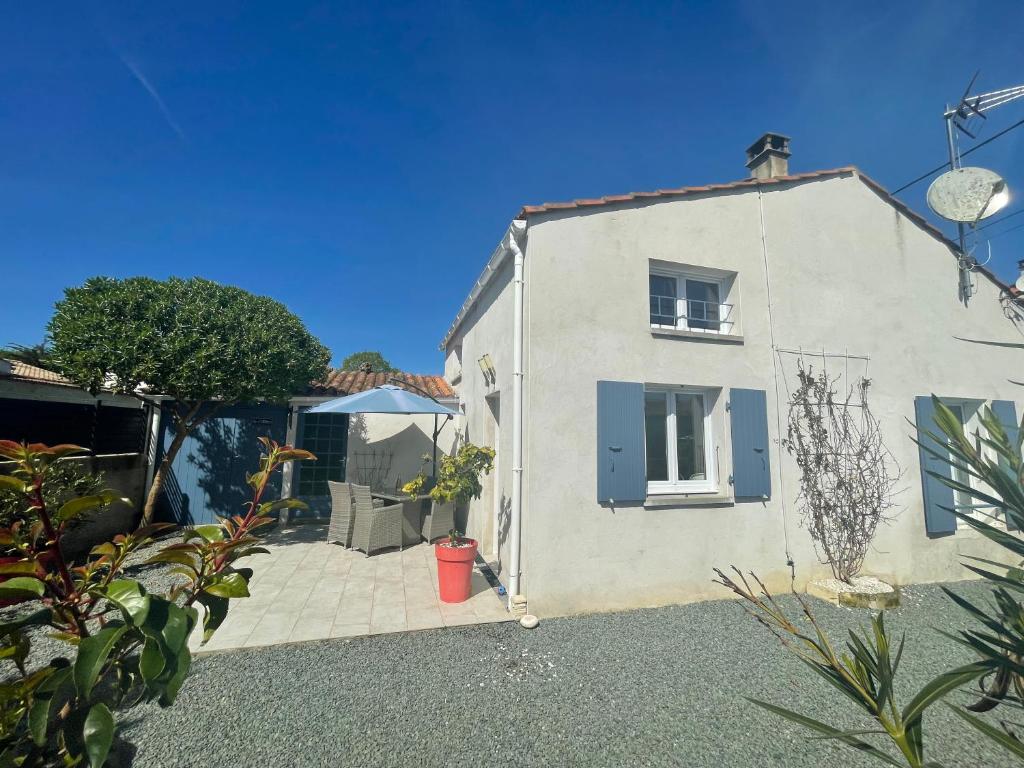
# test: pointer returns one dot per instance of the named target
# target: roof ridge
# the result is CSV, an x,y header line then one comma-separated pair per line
x,y
682,191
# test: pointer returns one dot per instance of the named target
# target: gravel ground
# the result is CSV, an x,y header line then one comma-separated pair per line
x,y
156,578
661,687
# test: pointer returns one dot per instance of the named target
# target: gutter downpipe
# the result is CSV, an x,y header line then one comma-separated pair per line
x,y
517,228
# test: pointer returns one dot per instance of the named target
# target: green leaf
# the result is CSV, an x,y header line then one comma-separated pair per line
x,y
181,663
13,484
998,735
167,630
77,506
151,661
211,532
295,454
42,702
93,652
23,567
131,598
829,731
174,556
229,585
21,587
167,623
98,734
216,612
271,506
940,686
106,548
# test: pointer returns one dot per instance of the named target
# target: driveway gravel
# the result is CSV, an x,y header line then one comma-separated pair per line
x,y
657,687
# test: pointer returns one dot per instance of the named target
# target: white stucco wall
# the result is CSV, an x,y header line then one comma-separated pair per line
x,y
398,442
488,330
847,273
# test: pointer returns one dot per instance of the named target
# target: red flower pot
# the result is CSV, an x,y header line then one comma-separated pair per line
x,y
455,569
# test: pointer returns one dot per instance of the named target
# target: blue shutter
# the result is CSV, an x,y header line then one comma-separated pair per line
x,y
751,466
939,519
621,468
1006,412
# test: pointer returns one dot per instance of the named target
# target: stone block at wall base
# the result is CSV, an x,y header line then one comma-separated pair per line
x,y
865,592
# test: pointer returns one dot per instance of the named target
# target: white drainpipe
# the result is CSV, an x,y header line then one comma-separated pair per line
x,y
517,229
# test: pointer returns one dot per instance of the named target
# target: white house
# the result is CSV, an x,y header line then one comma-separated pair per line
x,y
631,356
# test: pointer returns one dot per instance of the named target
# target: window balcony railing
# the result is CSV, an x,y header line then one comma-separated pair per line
x,y
691,314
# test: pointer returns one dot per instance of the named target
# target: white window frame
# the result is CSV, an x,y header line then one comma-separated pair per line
x,y
970,410
726,323
710,482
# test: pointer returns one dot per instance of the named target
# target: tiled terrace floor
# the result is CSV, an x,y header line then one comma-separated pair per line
x,y
307,589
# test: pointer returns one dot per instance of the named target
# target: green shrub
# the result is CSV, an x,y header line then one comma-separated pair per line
x,y
865,671
63,481
458,476
123,642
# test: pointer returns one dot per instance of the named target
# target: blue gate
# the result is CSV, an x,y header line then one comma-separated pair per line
x,y
207,478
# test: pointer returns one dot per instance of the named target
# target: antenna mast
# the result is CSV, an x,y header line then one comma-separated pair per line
x,y
958,120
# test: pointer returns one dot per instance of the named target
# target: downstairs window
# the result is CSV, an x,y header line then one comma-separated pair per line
x,y
678,440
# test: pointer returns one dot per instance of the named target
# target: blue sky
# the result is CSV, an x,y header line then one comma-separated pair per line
x,y
360,161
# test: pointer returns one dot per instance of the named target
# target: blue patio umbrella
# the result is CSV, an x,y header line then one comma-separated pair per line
x,y
383,399
388,399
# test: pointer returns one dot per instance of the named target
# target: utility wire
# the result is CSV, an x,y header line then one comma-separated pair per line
x,y
1001,219
977,146
1006,231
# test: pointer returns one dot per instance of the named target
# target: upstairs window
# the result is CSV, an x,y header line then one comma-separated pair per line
x,y
689,303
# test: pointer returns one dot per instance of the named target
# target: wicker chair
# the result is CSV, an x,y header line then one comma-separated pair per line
x,y
412,524
340,528
375,527
440,520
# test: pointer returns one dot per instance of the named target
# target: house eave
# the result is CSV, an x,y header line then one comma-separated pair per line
x,y
498,256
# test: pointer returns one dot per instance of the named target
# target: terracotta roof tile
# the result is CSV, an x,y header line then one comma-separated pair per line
x,y
24,372
341,383
337,383
683,191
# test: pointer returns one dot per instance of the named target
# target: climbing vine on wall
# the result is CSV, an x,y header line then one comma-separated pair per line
x,y
847,474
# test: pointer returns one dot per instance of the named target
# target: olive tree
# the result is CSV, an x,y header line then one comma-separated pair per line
x,y
203,344
375,361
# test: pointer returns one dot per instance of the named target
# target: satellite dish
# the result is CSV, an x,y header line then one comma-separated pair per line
x,y
968,195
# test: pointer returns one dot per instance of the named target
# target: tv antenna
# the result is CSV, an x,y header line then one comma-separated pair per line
x,y
984,191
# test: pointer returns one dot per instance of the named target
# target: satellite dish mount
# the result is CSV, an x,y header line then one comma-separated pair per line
x,y
975,193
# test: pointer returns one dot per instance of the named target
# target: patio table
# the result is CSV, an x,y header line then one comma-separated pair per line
x,y
412,515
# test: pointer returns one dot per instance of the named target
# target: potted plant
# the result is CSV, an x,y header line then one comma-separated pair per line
x,y
457,481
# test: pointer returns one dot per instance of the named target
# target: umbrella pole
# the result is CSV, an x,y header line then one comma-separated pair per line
x,y
434,464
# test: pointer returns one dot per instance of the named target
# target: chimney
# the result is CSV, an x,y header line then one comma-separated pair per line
x,y
769,156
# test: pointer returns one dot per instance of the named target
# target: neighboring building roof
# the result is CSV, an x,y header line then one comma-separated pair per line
x,y
741,185
350,382
337,382
30,373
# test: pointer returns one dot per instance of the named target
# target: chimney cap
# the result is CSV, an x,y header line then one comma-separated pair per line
x,y
769,142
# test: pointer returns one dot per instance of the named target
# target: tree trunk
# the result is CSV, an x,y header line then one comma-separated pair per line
x,y
183,425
